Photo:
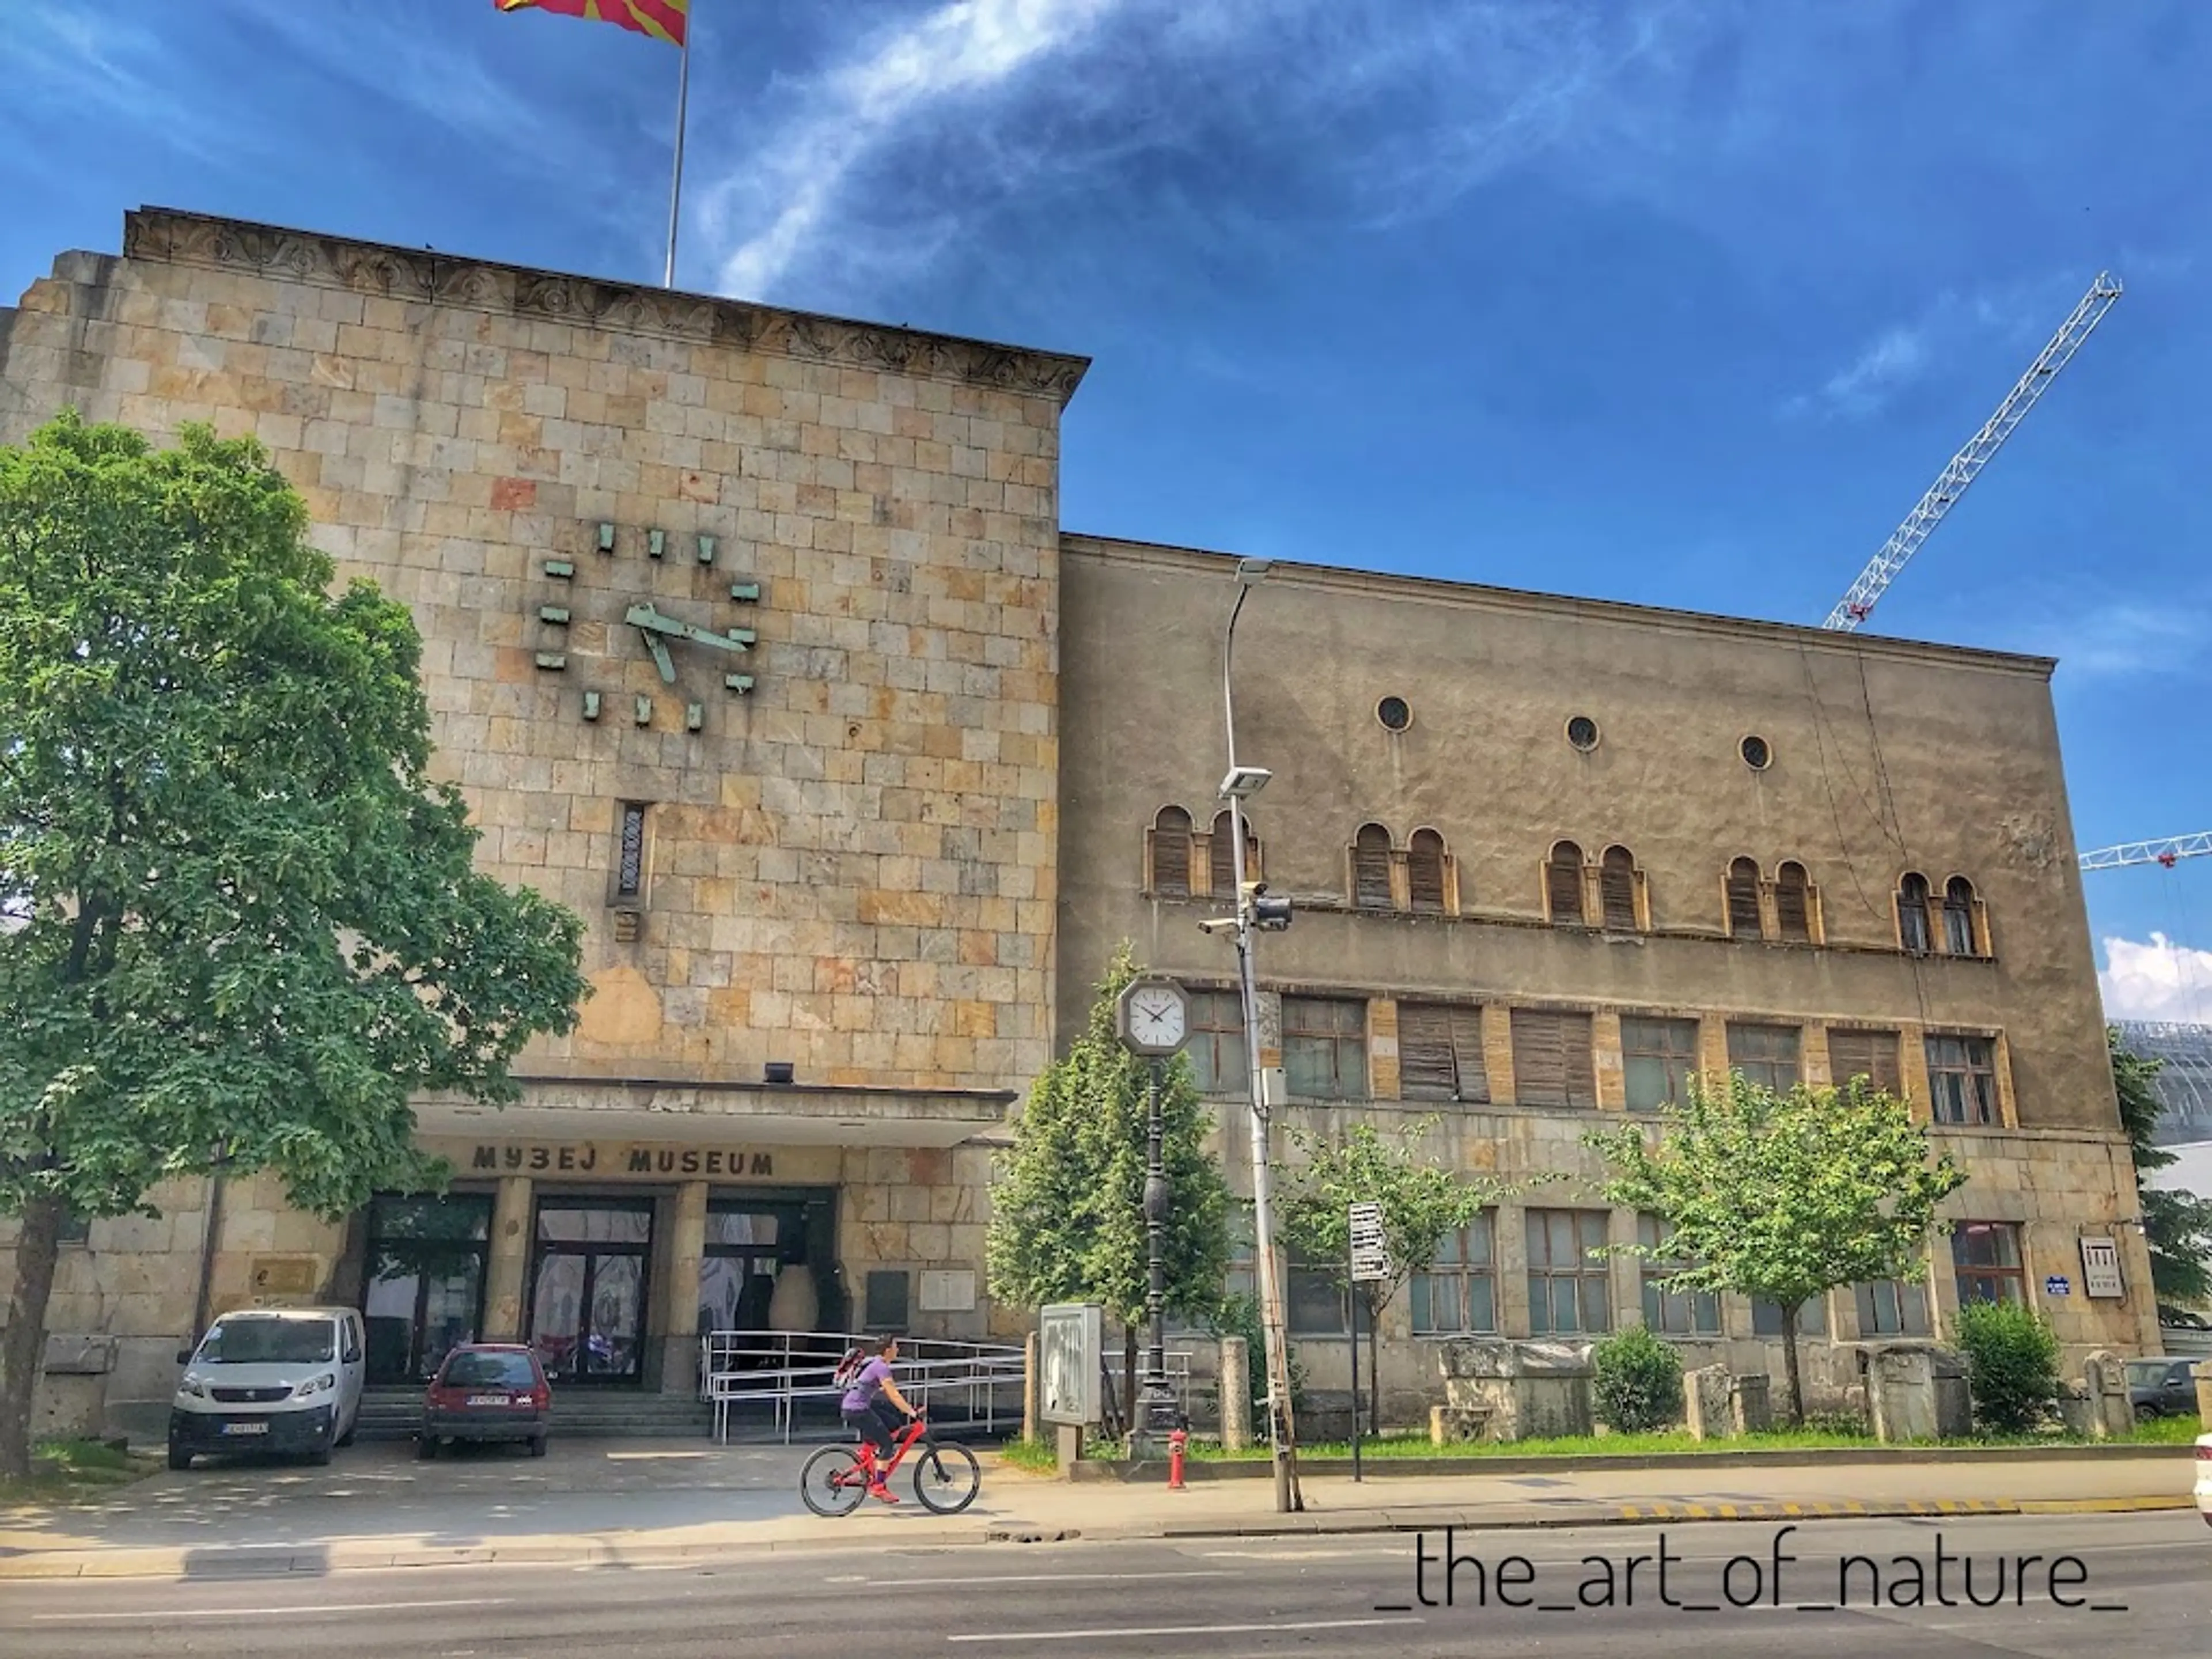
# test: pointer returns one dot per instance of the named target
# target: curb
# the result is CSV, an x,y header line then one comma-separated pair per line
x,y
1092,1471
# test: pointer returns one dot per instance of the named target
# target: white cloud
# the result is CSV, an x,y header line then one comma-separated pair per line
x,y
2159,981
2126,638
78,58
781,203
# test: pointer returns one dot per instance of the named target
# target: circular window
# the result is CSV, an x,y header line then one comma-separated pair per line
x,y
1756,754
1582,731
1395,714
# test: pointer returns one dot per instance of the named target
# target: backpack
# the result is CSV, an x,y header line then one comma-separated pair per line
x,y
848,1368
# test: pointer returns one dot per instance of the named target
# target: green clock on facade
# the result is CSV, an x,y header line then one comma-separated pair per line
x,y
696,663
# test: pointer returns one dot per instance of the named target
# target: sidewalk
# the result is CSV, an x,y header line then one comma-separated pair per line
x,y
641,1505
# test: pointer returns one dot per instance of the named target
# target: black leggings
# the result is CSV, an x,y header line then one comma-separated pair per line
x,y
875,1424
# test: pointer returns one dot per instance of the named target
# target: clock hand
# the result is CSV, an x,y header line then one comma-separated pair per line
x,y
649,621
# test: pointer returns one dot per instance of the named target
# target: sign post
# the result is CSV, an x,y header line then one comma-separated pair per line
x,y
1370,1263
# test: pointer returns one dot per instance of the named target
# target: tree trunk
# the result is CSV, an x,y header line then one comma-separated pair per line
x,y
22,1344
1789,1364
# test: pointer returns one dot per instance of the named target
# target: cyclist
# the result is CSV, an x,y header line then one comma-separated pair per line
x,y
866,1415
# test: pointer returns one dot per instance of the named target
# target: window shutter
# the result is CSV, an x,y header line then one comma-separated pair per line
x,y
1467,1054
1617,885
1563,881
1553,1065
1172,853
1792,912
1221,856
1371,869
1424,873
1870,1055
1440,1054
1743,900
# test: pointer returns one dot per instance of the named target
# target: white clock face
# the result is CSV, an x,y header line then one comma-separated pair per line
x,y
1157,1016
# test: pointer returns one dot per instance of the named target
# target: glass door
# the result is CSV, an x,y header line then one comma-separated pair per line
x,y
587,1300
424,1290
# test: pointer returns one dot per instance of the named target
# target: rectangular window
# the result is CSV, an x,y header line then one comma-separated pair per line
x,y
1319,1305
1870,1055
1219,1063
1767,1317
1890,1307
1570,1290
1985,1256
75,1228
1765,1055
1962,1080
1551,1061
1667,1311
1325,1048
1440,1054
629,861
1658,1059
1458,1294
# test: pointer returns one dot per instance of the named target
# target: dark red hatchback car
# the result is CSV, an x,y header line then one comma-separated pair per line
x,y
487,1391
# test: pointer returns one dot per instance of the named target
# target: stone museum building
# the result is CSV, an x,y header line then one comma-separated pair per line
x,y
755,638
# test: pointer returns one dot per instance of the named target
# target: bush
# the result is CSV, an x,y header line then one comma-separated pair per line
x,y
1639,1385
2012,1365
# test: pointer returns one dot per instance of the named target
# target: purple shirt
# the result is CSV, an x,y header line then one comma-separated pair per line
x,y
867,1385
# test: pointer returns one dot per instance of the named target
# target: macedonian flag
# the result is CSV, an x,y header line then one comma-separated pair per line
x,y
664,20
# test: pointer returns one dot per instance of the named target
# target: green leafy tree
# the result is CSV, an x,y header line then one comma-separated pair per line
x,y
1782,1197
247,927
1422,1203
2177,1226
2012,1365
1067,1199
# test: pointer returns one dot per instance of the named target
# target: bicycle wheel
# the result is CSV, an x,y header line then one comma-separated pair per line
x,y
947,1478
831,1483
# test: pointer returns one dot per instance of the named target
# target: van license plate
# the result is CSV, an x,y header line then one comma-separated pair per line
x,y
245,1428
490,1400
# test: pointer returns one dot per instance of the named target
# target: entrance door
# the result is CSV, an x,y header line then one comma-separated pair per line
x,y
588,1289
423,1290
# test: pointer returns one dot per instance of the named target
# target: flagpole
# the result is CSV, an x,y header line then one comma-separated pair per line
x,y
676,187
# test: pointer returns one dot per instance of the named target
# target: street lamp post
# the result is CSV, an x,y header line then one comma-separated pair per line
x,y
1238,784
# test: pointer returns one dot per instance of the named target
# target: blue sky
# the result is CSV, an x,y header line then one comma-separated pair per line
x,y
1681,303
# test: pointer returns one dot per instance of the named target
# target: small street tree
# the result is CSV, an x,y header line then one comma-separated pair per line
x,y
1067,1200
2177,1226
1422,1201
243,927
1782,1197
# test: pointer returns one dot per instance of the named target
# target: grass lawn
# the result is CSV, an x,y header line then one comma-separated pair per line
x,y
1036,1456
65,1471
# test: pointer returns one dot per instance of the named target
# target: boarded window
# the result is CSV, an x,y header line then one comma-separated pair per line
x,y
1563,884
1743,901
1221,856
1913,930
1959,917
1424,872
1793,904
1551,1061
1371,868
1440,1054
1617,886
1170,871
1870,1055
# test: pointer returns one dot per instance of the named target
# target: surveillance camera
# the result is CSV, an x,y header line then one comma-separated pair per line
x,y
1217,925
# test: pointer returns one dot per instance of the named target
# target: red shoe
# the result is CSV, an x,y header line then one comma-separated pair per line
x,y
882,1493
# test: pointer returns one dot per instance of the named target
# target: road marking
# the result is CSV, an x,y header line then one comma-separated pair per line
x,y
1176,1629
1037,1578
274,1613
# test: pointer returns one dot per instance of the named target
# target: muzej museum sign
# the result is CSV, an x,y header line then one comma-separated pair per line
x,y
601,1160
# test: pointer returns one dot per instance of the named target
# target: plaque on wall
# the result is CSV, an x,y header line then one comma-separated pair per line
x,y
948,1292
285,1275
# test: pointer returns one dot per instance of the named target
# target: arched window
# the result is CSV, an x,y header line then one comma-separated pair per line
x,y
1743,901
1371,868
1171,854
1914,932
1616,881
1221,855
1959,918
1793,903
1563,884
1424,872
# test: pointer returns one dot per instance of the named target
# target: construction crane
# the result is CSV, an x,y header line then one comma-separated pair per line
x,y
2168,852
1943,494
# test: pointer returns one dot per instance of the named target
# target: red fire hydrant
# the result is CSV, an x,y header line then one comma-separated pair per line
x,y
1176,1440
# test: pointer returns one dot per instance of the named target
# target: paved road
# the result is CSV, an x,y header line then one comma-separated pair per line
x,y
1223,1599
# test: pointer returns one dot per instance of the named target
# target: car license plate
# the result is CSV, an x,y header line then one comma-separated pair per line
x,y
490,1400
245,1428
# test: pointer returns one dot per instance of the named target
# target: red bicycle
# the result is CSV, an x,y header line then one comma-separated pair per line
x,y
947,1478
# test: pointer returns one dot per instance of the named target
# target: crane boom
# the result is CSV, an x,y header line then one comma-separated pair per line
x,y
1943,494
2168,852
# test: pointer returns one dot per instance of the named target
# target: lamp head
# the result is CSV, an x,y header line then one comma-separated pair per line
x,y
1242,783
1252,572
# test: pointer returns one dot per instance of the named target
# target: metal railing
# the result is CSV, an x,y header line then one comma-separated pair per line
x,y
777,1372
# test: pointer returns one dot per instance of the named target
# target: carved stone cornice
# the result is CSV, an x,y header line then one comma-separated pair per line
x,y
422,277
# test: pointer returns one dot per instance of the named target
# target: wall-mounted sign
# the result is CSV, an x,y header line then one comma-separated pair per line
x,y
949,1291
593,1158
1370,1255
2057,1284
2100,1268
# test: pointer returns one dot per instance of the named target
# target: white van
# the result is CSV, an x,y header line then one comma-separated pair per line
x,y
269,1380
